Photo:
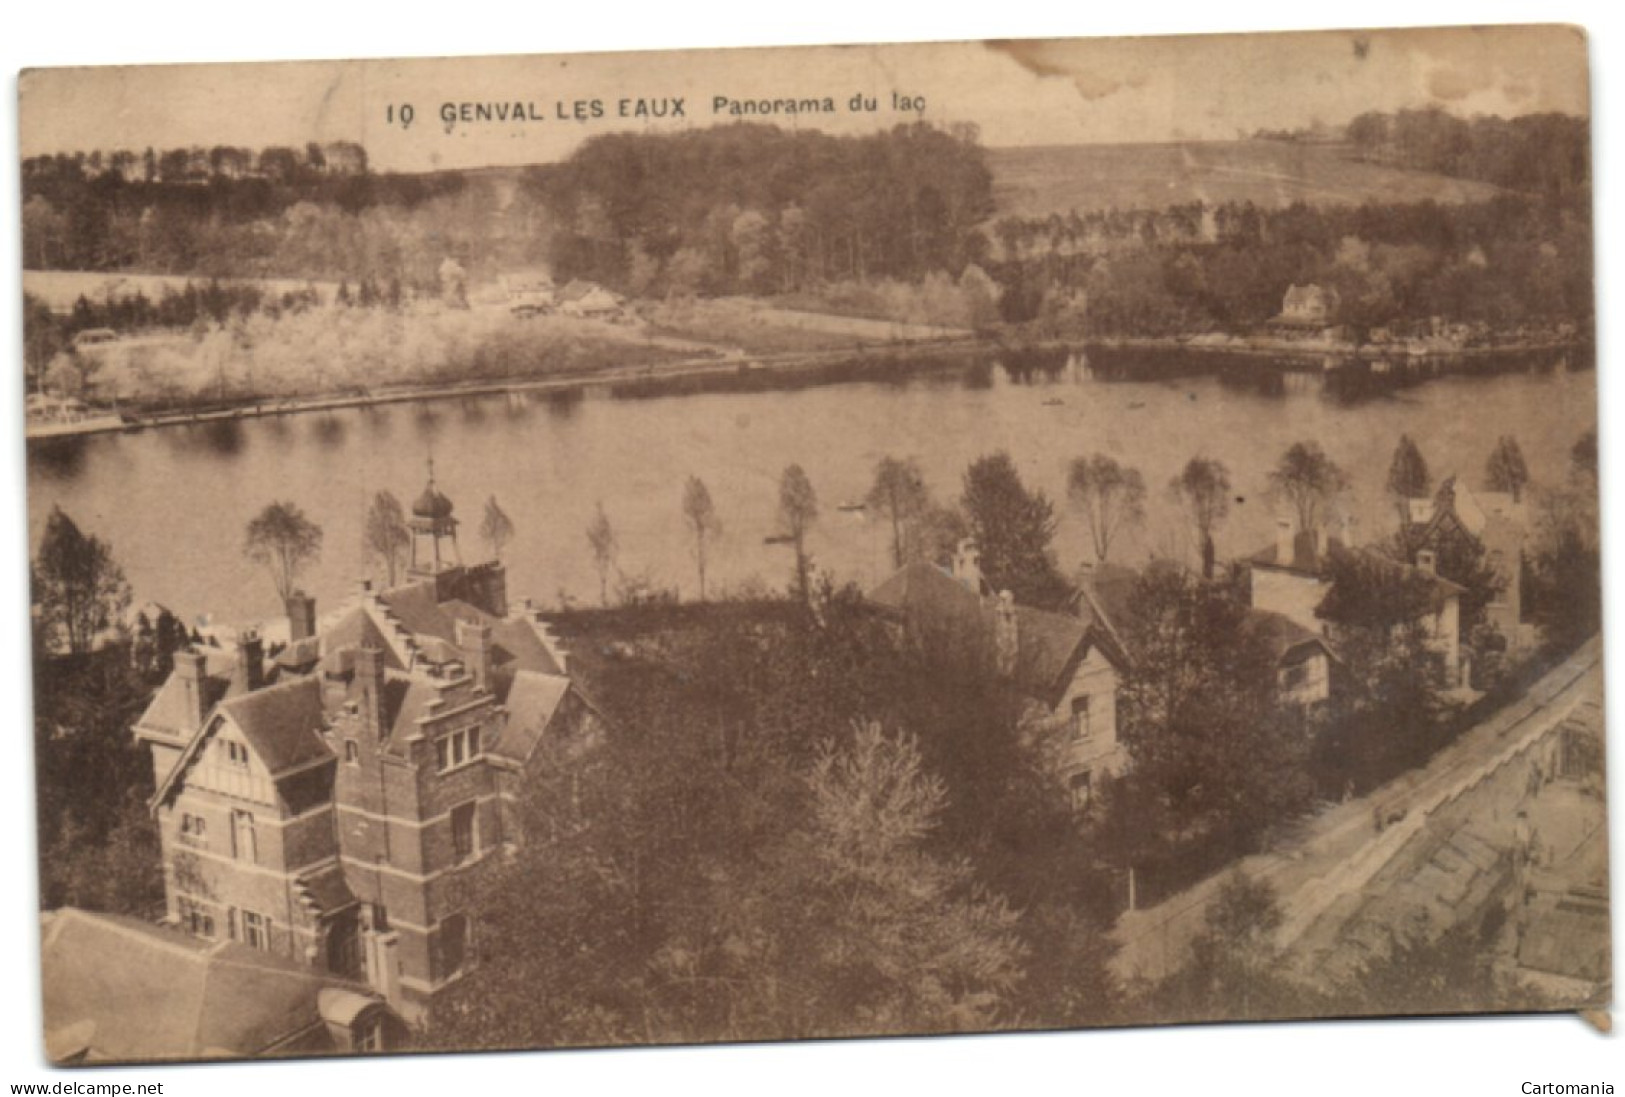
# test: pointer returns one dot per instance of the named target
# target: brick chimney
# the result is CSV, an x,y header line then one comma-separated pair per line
x,y
250,671
190,669
474,640
369,684
301,616
1285,541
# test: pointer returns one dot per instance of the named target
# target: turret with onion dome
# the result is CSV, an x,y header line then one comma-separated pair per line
x,y
431,524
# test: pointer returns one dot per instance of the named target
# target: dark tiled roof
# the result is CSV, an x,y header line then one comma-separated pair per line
x,y
168,712
282,723
119,989
512,641
1049,645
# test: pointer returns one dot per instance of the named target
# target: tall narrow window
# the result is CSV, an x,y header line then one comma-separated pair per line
x,y
453,944
464,839
243,846
1080,717
256,931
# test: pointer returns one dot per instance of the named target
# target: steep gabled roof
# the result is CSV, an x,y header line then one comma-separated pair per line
x,y
1049,645
168,712
282,724
513,641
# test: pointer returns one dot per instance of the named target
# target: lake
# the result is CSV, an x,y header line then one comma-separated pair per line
x,y
173,502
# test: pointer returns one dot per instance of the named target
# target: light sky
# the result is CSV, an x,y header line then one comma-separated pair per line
x,y
1062,91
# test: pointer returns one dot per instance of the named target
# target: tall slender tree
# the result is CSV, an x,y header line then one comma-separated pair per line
x,y
899,493
605,548
385,536
496,527
1203,490
703,524
798,510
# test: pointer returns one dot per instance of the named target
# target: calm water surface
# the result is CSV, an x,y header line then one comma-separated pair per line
x,y
173,502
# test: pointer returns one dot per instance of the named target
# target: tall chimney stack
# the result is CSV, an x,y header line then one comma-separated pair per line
x,y
369,683
1284,538
474,640
250,672
301,616
190,669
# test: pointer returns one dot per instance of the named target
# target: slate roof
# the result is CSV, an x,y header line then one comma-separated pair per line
x,y
1049,645
282,723
512,641
117,989
167,712
533,700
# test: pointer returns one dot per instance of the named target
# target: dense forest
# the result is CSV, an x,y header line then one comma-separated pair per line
x,y
1511,261
316,212
757,209
899,223
1537,153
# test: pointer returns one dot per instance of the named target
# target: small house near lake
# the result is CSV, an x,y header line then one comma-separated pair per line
x,y
1068,666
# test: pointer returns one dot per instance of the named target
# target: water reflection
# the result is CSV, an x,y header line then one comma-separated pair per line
x,y
176,523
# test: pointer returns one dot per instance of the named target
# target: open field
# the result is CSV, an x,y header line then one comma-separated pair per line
x,y
1036,182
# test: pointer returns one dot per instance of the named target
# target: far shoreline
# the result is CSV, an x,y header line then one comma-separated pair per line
x,y
865,362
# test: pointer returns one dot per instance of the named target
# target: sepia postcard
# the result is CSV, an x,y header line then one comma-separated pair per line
x,y
766,544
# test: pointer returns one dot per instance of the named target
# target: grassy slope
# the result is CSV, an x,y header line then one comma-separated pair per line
x,y
1035,182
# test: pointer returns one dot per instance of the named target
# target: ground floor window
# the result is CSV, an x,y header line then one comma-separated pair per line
x,y
256,930
1081,787
453,944
195,918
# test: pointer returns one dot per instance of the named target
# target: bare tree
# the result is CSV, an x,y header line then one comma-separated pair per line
x,y
1309,481
601,536
496,527
899,491
1111,497
385,536
1203,489
701,515
798,510
282,540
